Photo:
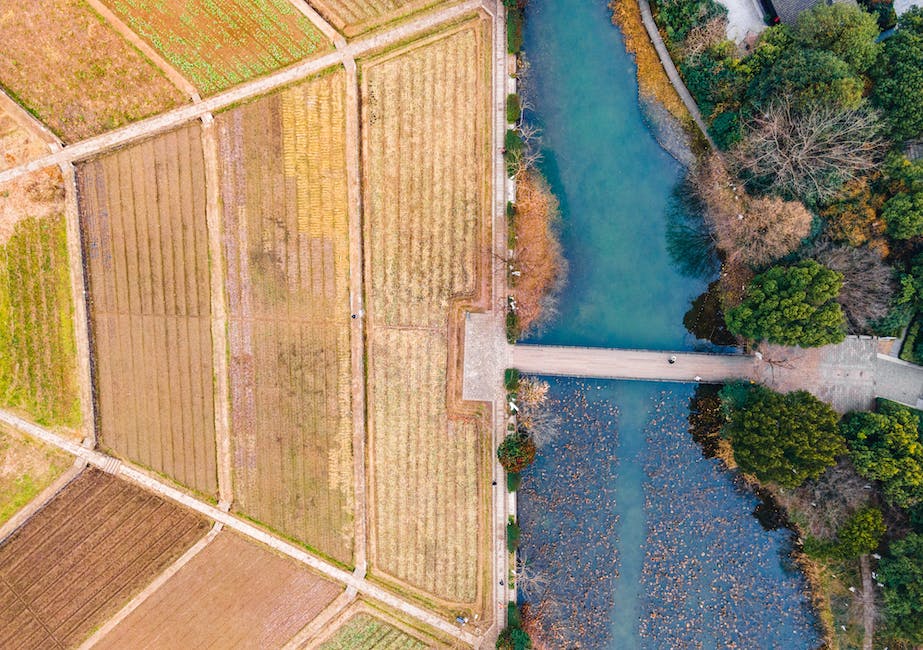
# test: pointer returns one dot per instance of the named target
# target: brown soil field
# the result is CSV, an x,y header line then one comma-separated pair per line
x,y
234,594
18,144
353,17
283,171
26,468
79,559
427,227
219,44
145,247
74,72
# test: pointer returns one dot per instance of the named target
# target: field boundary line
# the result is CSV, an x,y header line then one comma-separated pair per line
x,y
28,121
357,330
152,587
24,514
79,296
219,313
145,480
320,622
172,74
318,21
165,121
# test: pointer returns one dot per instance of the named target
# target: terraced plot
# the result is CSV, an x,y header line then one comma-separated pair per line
x,y
83,556
219,44
234,594
425,146
283,173
71,69
145,248
353,17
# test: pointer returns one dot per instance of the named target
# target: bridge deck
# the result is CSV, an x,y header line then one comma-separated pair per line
x,y
607,363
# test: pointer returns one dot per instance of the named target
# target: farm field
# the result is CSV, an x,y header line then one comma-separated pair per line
x,y
234,594
218,44
38,373
366,632
26,468
74,72
426,236
352,17
83,556
145,247
283,171
18,143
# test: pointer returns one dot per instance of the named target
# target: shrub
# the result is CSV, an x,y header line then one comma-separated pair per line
x,y
513,617
678,17
511,379
513,481
514,638
513,108
512,535
513,148
516,452
514,24
852,215
901,572
860,534
903,213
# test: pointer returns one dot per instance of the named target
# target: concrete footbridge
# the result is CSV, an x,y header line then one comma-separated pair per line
x,y
605,363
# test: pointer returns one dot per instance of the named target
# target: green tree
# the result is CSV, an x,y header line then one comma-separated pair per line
x,y
786,439
808,78
513,638
791,305
886,447
899,77
903,213
516,452
844,30
860,534
901,572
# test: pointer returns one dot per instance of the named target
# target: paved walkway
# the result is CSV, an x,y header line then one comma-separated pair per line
x,y
603,363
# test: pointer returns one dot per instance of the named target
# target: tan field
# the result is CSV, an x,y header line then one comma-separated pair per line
x,y
283,171
74,72
18,143
234,594
219,44
83,556
425,148
26,468
146,251
352,17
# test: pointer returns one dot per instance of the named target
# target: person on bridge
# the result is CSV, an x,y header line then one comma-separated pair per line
x,y
673,358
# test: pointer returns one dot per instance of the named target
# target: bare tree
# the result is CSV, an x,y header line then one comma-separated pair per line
x,y
868,284
751,230
704,35
809,153
531,582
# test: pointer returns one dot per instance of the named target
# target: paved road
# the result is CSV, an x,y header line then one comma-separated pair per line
x,y
605,363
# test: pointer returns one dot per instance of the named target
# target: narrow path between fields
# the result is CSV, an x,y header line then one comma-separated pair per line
x,y
141,478
868,603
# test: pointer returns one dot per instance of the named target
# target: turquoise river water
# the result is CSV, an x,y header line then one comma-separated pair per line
x,y
631,538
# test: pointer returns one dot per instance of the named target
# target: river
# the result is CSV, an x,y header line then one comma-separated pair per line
x,y
631,538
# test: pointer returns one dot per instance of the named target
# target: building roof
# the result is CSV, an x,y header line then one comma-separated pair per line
x,y
789,10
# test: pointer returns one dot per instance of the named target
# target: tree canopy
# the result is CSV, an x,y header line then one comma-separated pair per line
x,y
886,447
899,77
786,439
901,572
860,534
807,78
791,305
845,30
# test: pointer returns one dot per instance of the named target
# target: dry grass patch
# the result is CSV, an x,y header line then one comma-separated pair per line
x,y
426,169
234,594
38,373
74,72
283,170
353,17
18,144
218,44
145,247
26,468
79,559
369,625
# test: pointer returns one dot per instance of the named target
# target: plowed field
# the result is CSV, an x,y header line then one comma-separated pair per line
x,y
234,594
146,249
283,173
425,146
219,44
74,71
83,556
356,16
